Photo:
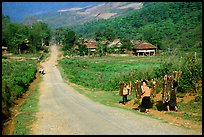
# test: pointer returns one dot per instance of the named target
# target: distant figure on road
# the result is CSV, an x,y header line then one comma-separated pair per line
x,y
146,102
42,71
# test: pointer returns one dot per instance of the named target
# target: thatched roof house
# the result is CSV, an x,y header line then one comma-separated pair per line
x,y
115,42
91,46
144,48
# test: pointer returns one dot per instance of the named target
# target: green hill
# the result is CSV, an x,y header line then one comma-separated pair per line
x,y
168,25
80,15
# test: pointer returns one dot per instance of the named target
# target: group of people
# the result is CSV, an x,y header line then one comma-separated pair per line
x,y
170,82
42,71
142,92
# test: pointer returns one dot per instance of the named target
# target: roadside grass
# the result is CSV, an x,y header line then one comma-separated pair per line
x,y
99,78
27,111
105,73
191,111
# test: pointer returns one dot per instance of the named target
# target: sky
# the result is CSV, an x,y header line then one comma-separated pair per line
x,y
18,10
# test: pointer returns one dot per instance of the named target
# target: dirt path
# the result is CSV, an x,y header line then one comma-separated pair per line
x,y
62,110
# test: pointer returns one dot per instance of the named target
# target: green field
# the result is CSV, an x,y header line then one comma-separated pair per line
x,y
105,73
99,77
18,71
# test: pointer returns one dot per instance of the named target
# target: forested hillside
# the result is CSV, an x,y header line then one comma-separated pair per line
x,y
168,25
79,15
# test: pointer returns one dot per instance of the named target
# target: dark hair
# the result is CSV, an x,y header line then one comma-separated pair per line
x,y
145,81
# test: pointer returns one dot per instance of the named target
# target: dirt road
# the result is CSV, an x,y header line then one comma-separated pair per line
x,y
64,111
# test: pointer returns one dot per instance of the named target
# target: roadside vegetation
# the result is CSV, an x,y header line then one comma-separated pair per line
x,y
168,25
16,77
27,111
104,73
177,32
99,77
19,100
25,47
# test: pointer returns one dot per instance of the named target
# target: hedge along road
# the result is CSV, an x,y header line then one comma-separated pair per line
x,y
64,111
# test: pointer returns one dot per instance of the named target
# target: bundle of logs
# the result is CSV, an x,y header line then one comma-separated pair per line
x,y
170,83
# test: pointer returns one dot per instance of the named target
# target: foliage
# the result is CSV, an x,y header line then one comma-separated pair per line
x,y
27,111
105,73
16,77
190,67
101,49
191,74
19,37
40,33
168,25
106,34
65,37
82,50
126,44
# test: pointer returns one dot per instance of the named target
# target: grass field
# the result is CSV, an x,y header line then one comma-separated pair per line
x,y
105,73
99,77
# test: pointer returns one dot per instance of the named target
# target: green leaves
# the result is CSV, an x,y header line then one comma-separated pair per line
x,y
16,36
17,76
65,37
164,24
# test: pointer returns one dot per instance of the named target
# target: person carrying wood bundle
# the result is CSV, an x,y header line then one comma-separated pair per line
x,y
146,102
169,90
125,90
138,89
154,83
166,88
174,84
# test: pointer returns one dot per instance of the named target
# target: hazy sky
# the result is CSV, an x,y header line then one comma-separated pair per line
x,y
18,10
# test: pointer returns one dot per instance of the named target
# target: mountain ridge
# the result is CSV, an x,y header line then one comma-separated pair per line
x,y
79,15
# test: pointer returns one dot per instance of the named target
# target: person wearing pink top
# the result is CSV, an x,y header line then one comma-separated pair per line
x,y
146,102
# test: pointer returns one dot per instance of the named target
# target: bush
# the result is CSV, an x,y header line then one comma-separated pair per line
x,y
45,49
16,77
191,74
198,98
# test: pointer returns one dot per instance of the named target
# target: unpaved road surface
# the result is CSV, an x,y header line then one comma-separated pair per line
x,y
64,111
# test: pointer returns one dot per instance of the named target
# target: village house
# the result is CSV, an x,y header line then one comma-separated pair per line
x,y
144,48
116,43
90,44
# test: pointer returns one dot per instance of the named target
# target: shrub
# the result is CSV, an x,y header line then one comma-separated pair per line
x,y
16,77
198,98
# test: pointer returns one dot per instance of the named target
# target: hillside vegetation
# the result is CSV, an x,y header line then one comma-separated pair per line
x,y
168,25
80,15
